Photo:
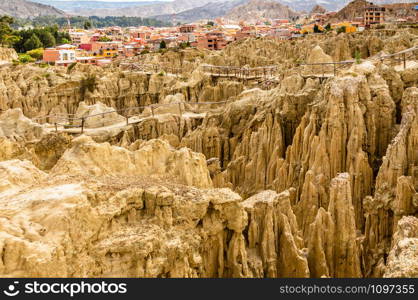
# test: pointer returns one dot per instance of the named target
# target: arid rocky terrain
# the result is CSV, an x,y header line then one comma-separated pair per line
x,y
305,174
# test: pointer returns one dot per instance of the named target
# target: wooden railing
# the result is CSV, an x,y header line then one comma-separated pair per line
x,y
325,67
266,73
150,68
401,56
72,121
241,72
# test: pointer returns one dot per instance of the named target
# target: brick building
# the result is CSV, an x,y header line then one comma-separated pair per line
x,y
187,28
63,55
212,41
374,14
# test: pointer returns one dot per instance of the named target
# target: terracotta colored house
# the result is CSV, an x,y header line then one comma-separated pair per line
x,y
63,55
243,34
212,41
79,37
107,49
187,28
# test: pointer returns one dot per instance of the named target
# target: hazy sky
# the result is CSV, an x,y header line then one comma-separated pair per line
x,y
117,0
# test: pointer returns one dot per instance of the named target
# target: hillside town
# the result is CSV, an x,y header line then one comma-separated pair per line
x,y
100,46
235,139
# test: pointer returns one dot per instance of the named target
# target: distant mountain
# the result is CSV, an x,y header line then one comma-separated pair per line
x,y
248,10
27,9
330,5
162,8
318,9
308,5
400,10
209,11
353,10
178,10
254,10
80,6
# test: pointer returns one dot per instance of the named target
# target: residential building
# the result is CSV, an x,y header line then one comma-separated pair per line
x,y
108,49
416,13
212,41
91,60
78,37
374,14
187,28
63,55
244,34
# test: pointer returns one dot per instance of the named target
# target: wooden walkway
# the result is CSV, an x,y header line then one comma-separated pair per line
x,y
71,121
322,71
267,75
399,57
330,69
150,68
243,73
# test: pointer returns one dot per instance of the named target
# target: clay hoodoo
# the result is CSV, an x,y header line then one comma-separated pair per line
x,y
314,176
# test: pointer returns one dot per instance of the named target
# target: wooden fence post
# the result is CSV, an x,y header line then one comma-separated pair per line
x,y
404,61
56,127
180,111
82,125
152,110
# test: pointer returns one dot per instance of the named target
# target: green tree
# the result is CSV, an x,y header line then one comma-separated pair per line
x,y
328,27
7,20
25,58
341,29
357,56
64,41
7,38
163,45
105,39
33,43
316,29
36,53
47,39
87,25
88,83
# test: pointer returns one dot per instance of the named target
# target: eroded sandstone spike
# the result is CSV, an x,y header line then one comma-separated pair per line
x,y
333,247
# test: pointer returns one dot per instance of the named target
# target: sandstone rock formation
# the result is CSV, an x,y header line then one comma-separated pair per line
x,y
310,178
109,227
7,55
402,260
14,125
152,158
97,115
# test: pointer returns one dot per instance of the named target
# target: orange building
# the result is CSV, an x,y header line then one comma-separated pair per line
x,y
63,55
187,28
212,41
244,34
107,49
